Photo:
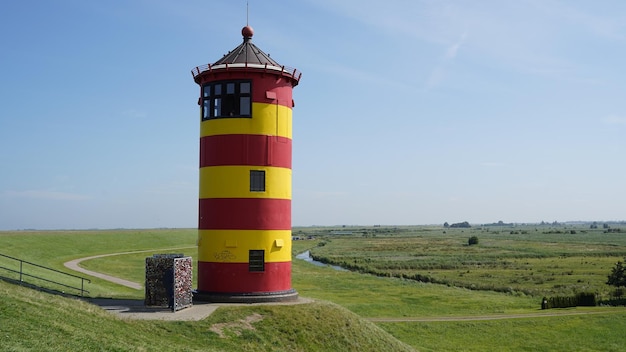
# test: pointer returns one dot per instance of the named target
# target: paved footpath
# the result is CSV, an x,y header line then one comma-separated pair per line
x,y
135,309
75,265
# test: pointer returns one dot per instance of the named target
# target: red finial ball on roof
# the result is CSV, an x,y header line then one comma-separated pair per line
x,y
247,32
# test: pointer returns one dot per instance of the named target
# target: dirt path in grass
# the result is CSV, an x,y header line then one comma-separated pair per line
x,y
75,265
542,314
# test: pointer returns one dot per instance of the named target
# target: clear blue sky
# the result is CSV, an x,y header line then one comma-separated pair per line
x,y
408,112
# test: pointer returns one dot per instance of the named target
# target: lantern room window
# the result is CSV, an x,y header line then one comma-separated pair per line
x,y
224,99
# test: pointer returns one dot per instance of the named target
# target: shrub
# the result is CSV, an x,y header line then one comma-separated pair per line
x,y
617,277
586,299
582,299
472,240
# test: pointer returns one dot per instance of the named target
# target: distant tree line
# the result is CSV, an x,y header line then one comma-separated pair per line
x,y
594,225
500,223
463,224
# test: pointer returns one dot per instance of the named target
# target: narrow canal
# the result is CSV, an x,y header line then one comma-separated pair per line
x,y
306,256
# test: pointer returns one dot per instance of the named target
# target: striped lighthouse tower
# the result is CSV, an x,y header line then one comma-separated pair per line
x,y
244,225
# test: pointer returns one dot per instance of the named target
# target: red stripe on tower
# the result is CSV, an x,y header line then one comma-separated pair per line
x,y
232,278
260,214
245,149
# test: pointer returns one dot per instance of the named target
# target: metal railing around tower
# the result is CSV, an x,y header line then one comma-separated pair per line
x,y
26,272
283,70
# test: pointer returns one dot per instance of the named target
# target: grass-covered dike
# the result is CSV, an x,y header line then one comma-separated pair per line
x,y
36,321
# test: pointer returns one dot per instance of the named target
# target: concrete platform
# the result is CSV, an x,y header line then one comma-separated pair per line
x,y
135,309
270,297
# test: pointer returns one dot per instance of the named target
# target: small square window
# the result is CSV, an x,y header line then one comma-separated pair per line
x,y
256,260
257,180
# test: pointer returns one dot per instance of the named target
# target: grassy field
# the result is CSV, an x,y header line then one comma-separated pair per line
x,y
562,333
356,297
53,248
529,260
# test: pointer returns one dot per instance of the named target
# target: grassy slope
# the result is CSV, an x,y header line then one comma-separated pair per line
x,y
36,321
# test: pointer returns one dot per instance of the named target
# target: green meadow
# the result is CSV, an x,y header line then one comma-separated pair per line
x,y
503,277
522,260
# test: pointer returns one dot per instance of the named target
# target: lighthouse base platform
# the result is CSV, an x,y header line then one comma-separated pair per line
x,y
256,297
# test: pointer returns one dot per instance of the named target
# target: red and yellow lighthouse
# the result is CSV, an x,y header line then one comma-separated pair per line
x,y
244,225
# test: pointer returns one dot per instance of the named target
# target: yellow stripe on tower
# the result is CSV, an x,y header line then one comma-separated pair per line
x,y
234,182
232,246
268,119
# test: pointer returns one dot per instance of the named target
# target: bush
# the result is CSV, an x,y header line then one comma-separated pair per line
x,y
586,299
472,240
617,277
582,299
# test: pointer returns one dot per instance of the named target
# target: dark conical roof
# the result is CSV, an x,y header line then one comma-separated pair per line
x,y
246,56
247,52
